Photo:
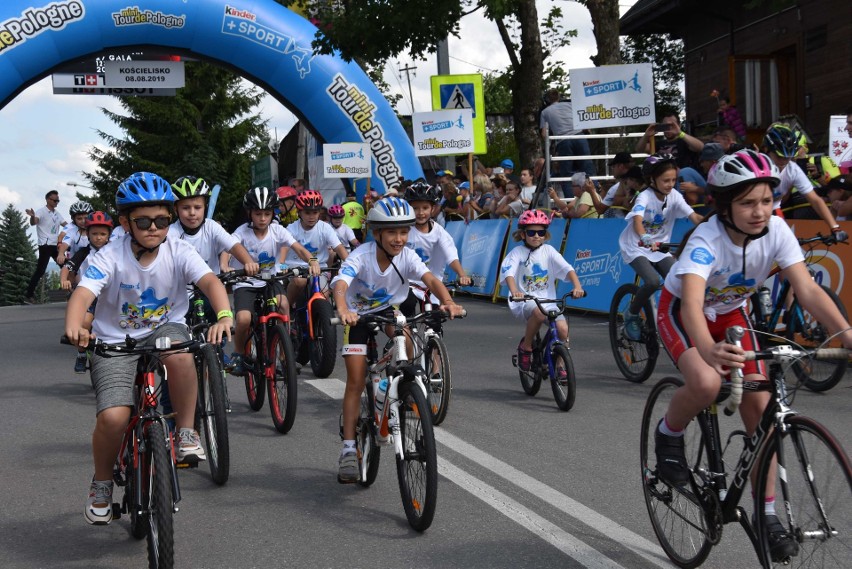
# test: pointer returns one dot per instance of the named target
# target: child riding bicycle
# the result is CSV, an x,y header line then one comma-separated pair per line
x,y
374,279
705,293
74,237
651,220
533,269
336,213
140,282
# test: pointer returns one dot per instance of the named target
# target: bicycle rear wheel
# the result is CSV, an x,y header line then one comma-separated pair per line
x,y
369,452
324,345
804,329
281,382
563,381
439,378
635,359
159,507
676,514
254,378
417,468
212,413
816,487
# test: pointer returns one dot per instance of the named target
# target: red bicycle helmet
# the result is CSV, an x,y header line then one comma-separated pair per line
x,y
336,211
533,217
98,218
309,200
286,193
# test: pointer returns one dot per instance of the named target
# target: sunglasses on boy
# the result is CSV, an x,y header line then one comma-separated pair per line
x,y
143,223
536,232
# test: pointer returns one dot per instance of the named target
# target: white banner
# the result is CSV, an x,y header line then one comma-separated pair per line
x,y
160,74
839,141
612,95
441,133
346,160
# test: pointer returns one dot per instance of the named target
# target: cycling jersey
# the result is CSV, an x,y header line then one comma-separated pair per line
x,y
316,240
264,250
658,218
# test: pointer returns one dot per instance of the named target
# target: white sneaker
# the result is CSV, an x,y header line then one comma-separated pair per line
x,y
100,493
189,447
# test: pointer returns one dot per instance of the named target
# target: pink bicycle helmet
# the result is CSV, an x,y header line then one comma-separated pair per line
x,y
733,171
533,217
336,211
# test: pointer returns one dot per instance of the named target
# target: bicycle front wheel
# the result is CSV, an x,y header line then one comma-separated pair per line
x,y
159,507
676,514
255,381
212,413
417,468
563,381
438,377
324,344
813,479
635,359
803,328
281,381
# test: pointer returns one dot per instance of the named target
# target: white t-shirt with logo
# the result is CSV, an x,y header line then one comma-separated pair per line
x,y
346,235
712,255
263,250
658,219
74,239
316,240
435,248
210,240
49,226
136,300
535,271
373,290
792,176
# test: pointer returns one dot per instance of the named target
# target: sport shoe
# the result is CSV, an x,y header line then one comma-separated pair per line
x,y
99,504
782,545
524,358
237,366
562,376
671,458
189,446
29,300
632,326
80,363
347,468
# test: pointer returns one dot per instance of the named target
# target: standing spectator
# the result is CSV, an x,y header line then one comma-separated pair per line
x,y
621,163
684,147
49,223
355,215
559,118
299,184
527,187
731,117
692,182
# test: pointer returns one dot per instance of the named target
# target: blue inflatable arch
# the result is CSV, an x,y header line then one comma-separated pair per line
x,y
262,40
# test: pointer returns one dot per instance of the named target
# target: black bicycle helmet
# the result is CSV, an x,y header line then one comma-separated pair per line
x,y
782,140
421,191
260,198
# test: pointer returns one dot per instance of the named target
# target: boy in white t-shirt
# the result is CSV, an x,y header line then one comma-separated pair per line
x,y
374,279
140,283
74,237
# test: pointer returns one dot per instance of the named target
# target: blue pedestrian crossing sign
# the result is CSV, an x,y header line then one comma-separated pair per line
x,y
455,92
458,96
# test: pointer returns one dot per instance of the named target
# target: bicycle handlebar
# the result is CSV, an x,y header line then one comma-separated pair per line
x,y
131,346
378,319
819,237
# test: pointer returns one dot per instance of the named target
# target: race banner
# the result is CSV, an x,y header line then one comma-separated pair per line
x,y
346,160
839,142
612,95
442,133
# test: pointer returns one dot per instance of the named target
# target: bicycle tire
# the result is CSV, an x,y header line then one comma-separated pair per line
x,y
636,360
254,378
564,389
281,383
160,507
323,347
677,517
212,411
815,468
417,469
807,332
531,380
138,522
436,364
369,452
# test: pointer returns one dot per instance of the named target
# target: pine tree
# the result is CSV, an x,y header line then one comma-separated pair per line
x,y
17,256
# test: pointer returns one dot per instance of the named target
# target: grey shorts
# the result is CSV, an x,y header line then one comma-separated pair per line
x,y
113,377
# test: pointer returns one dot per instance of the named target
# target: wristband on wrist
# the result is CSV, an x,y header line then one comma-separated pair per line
x,y
835,228
682,135
224,314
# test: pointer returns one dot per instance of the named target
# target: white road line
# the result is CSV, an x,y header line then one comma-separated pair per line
x,y
561,540
646,549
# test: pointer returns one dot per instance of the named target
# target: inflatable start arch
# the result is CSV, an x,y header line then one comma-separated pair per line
x,y
264,41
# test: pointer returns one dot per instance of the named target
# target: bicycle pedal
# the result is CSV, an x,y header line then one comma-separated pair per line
x,y
515,360
186,464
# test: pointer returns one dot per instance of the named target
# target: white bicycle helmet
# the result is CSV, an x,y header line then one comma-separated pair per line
x,y
733,171
390,212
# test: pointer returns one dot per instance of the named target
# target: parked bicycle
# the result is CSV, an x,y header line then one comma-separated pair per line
x,y
636,359
314,337
145,465
813,473
394,411
550,357
785,320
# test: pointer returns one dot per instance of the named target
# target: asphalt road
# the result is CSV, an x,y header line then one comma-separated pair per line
x,y
522,484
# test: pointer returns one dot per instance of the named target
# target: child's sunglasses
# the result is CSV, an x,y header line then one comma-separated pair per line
x,y
143,223
536,232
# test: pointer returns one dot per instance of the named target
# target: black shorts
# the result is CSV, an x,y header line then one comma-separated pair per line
x,y
244,296
356,338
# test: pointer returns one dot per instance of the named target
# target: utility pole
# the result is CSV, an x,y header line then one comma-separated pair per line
x,y
407,69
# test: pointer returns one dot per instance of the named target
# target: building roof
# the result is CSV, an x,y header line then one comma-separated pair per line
x,y
652,17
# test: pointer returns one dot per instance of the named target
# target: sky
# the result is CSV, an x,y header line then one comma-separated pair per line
x,y
48,136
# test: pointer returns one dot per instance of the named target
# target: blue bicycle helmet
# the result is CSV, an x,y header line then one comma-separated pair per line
x,y
782,140
143,189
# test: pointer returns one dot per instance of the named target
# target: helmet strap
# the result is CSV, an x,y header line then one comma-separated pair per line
x,y
142,249
189,231
390,258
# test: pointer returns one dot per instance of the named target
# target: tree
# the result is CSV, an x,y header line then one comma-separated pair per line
x,y
207,129
665,53
14,244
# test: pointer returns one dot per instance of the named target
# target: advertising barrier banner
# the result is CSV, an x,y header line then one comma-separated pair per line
x,y
456,230
481,251
612,95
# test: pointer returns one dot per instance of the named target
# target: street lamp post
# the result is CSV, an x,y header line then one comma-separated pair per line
x,y
78,185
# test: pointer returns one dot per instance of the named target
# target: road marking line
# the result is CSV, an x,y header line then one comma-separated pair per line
x,y
537,525
332,387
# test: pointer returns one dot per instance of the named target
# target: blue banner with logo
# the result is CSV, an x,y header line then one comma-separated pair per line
x,y
481,252
557,234
456,230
